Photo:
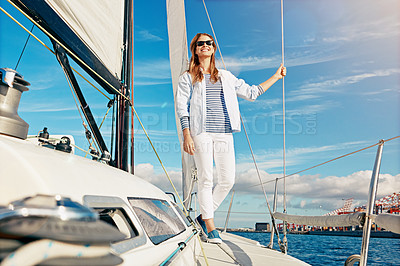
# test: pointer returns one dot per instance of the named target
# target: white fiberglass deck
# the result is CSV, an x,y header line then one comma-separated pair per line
x,y
245,252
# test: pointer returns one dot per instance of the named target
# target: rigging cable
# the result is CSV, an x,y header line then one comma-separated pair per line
x,y
215,36
23,49
244,129
284,133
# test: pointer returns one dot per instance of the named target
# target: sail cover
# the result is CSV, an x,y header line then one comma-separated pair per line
x,y
178,53
92,29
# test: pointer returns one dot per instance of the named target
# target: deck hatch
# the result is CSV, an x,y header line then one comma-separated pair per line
x,y
158,218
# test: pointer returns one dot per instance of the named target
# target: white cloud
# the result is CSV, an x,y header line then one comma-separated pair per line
x,y
365,30
46,107
303,191
152,82
145,35
146,171
312,191
370,93
299,57
317,89
294,156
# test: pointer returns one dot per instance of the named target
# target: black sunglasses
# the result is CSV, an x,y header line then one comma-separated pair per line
x,y
201,43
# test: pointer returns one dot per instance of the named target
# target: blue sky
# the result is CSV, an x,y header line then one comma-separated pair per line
x,y
342,94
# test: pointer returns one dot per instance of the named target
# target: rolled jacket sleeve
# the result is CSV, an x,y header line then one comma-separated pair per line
x,y
244,90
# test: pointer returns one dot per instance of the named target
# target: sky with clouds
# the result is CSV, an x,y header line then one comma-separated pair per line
x,y
341,95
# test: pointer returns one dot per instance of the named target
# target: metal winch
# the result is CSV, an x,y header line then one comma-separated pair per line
x,y
12,84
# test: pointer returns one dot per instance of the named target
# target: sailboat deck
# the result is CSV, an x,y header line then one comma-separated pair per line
x,y
239,250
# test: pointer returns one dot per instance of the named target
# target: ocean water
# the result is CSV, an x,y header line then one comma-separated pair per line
x,y
333,250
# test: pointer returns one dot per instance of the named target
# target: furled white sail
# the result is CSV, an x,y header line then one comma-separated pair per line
x,y
351,219
101,29
178,53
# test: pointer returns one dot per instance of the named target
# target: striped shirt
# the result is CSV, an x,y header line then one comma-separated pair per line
x,y
217,118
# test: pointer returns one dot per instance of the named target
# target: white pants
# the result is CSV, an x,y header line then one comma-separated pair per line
x,y
217,147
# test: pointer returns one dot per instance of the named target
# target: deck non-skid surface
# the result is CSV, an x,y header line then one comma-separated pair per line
x,y
239,250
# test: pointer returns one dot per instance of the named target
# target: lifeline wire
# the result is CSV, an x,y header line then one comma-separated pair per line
x,y
244,128
331,160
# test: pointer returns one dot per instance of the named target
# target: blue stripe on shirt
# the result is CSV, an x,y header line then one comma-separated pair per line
x,y
217,118
184,122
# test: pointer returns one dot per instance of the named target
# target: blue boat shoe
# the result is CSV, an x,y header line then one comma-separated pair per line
x,y
213,237
202,225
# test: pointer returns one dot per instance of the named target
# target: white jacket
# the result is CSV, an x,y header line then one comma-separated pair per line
x,y
191,99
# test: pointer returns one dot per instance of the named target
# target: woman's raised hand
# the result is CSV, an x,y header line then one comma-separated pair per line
x,y
281,72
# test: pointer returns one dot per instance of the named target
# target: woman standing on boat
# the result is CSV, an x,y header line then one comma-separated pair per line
x,y
208,109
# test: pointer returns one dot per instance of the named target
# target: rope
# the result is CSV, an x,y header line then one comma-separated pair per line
x,y
101,124
331,160
77,107
86,152
190,189
91,83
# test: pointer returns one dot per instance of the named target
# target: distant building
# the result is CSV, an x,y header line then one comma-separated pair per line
x,y
262,227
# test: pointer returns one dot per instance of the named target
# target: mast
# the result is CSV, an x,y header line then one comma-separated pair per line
x,y
123,109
